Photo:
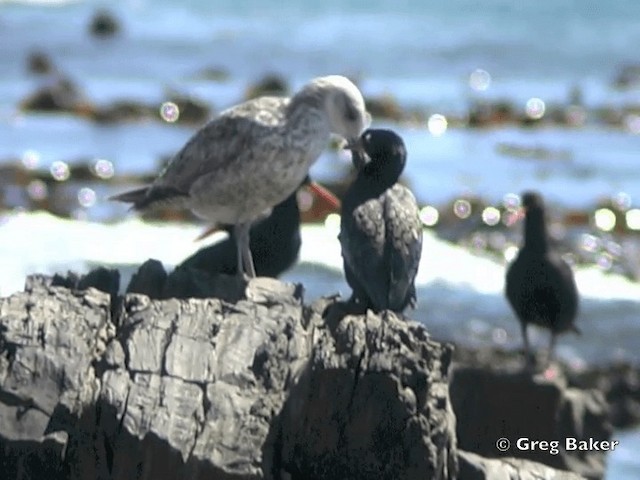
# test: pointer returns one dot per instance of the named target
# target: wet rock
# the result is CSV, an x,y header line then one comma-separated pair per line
x,y
104,24
154,389
628,77
124,111
511,404
475,467
192,111
271,84
63,95
39,63
385,107
485,114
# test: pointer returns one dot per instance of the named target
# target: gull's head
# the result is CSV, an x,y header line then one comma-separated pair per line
x,y
343,105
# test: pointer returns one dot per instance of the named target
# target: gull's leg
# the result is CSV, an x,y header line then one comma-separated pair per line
x,y
238,233
244,251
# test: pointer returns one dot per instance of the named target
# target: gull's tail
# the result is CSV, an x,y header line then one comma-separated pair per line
x,y
145,197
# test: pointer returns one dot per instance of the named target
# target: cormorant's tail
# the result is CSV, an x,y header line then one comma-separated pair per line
x,y
145,197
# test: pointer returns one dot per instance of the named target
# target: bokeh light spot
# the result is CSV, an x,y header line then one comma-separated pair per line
x,y
462,208
60,171
479,80
169,112
622,200
104,169
491,216
429,215
30,159
535,108
632,123
86,197
437,124
605,219
37,190
632,217
589,243
305,200
604,261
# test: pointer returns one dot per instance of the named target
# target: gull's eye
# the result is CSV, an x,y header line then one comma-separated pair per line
x,y
350,113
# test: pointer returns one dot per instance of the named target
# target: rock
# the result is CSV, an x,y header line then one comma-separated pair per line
x,y
370,367
475,467
124,111
385,107
270,84
192,111
61,95
39,63
104,24
491,404
152,390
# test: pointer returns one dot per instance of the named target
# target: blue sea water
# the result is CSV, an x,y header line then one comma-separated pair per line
x,y
421,52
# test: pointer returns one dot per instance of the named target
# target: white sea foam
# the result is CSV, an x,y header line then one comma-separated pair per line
x,y
40,242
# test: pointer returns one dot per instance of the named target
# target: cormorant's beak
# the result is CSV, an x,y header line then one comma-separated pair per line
x,y
358,154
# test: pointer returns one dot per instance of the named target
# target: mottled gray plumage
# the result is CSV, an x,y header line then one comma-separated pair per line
x,y
254,155
540,285
380,230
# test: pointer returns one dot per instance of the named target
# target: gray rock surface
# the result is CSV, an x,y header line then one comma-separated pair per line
x,y
475,467
101,387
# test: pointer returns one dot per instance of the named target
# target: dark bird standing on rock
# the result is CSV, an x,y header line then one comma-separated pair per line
x,y
274,241
540,285
380,228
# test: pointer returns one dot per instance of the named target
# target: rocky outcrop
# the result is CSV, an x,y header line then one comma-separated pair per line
x,y
94,385
503,412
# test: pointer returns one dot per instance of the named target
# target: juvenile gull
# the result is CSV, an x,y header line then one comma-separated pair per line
x,y
254,155
380,227
540,285
275,240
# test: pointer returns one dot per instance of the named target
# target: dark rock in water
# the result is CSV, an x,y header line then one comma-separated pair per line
x,y
62,95
491,404
192,111
104,24
124,111
475,467
205,389
40,63
385,107
270,84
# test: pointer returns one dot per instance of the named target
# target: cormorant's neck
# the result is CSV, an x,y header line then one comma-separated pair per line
x,y
380,177
535,232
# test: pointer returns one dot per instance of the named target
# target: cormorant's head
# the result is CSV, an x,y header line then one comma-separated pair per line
x,y
379,151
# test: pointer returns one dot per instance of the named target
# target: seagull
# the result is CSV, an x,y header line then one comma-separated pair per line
x,y
380,227
254,155
540,285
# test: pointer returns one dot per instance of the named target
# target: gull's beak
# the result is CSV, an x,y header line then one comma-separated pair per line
x,y
358,154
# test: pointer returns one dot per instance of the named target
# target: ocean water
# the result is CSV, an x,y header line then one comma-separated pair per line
x,y
421,52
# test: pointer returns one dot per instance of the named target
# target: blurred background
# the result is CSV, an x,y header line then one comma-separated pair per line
x,y
492,97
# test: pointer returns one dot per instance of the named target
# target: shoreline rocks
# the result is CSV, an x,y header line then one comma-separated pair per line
x,y
99,385
105,386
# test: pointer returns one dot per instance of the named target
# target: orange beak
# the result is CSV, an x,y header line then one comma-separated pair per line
x,y
331,202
